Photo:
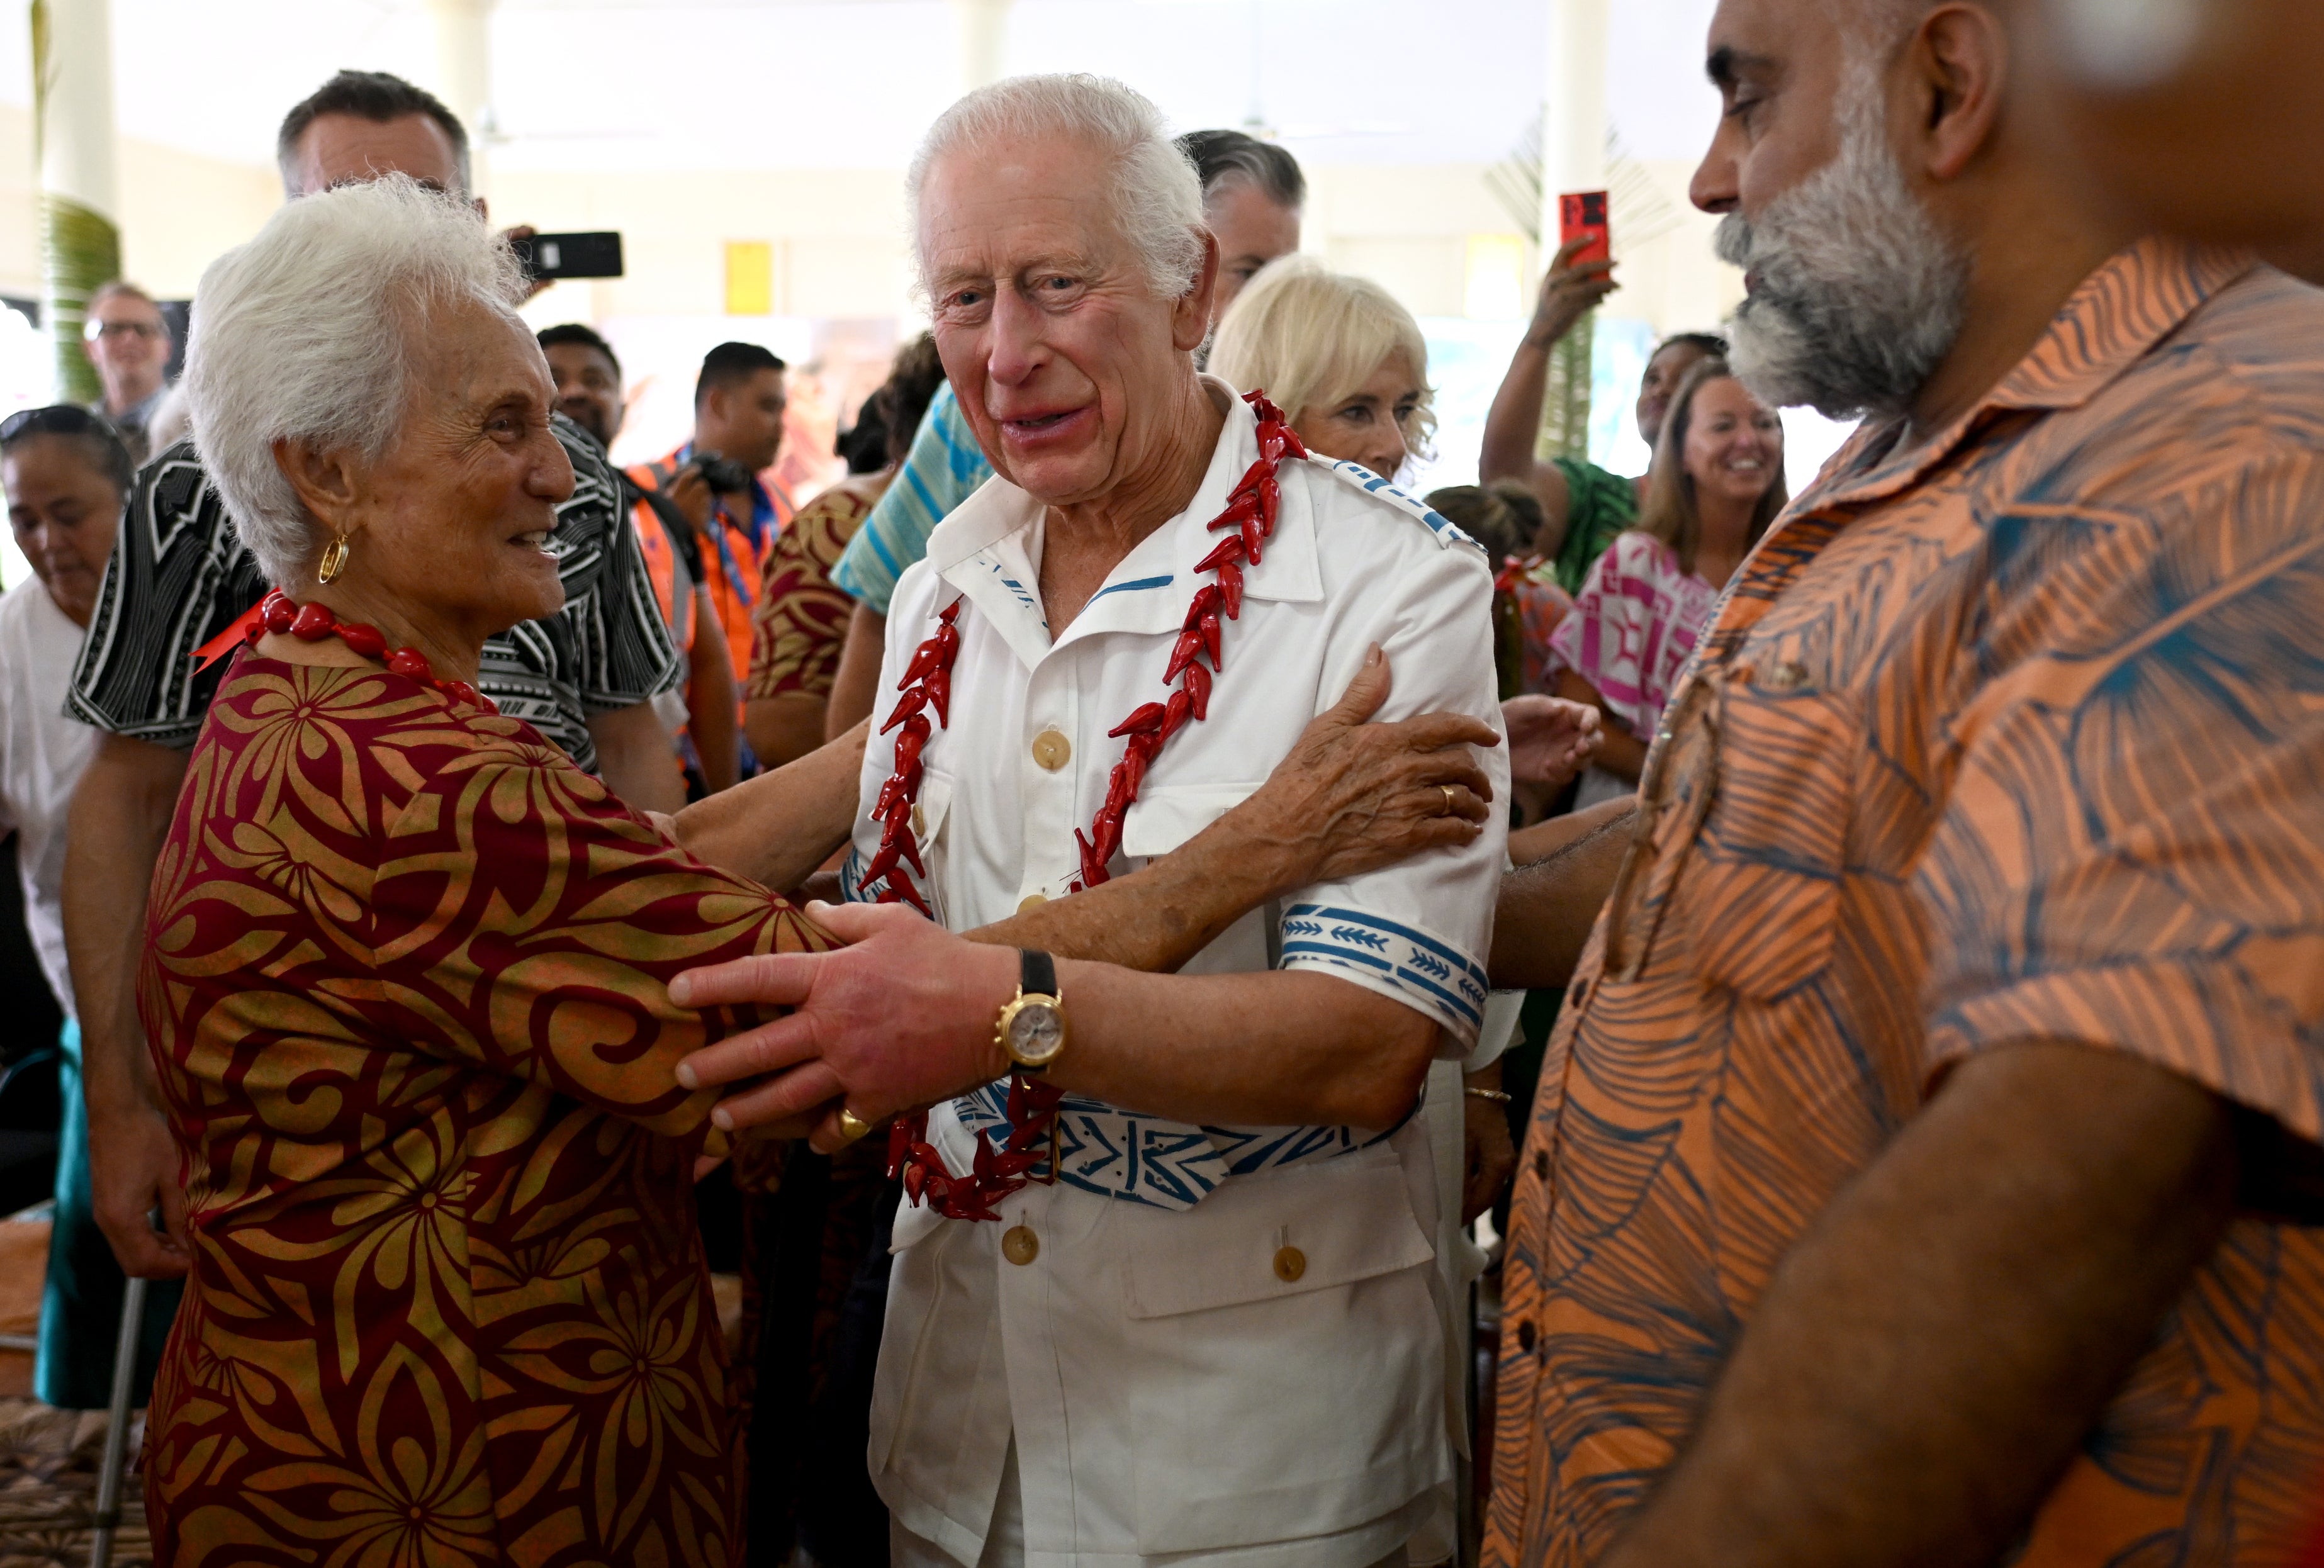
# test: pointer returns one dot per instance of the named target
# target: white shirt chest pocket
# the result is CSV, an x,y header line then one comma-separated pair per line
x,y
1164,817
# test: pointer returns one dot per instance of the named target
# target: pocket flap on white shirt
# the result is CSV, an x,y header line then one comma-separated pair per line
x,y
1280,1234
1166,817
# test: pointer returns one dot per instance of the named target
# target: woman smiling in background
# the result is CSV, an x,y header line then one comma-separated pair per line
x,y
1716,485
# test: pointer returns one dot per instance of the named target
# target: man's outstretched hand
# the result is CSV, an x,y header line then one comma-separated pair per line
x,y
1551,740
901,1018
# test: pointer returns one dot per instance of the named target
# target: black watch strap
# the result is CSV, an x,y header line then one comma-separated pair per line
x,y
1037,974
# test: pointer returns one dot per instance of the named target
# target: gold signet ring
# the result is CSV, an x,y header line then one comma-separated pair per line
x,y
852,1127
1450,800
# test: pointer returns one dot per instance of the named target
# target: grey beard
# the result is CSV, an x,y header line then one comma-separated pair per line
x,y
1858,296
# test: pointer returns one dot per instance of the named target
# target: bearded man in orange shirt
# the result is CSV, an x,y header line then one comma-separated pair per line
x,y
1926,1169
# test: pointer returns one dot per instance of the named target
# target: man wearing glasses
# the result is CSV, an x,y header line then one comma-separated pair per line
x,y
128,341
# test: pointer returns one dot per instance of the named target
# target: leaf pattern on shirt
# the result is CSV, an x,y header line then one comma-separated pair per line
x,y
2020,737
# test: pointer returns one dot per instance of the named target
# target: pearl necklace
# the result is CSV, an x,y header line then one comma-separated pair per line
x,y
1249,518
312,621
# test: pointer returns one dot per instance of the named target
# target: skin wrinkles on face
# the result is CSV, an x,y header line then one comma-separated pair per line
x,y
348,150
588,388
65,515
448,532
1734,447
1371,424
1076,379
1252,230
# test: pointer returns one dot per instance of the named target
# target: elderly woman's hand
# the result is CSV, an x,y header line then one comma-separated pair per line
x,y
1551,740
1353,796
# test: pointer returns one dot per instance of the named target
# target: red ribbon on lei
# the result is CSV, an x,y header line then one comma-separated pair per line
x,y
927,685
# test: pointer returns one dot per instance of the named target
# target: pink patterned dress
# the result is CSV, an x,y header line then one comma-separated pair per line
x,y
1633,628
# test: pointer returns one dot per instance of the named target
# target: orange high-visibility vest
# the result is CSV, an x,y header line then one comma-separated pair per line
x,y
730,563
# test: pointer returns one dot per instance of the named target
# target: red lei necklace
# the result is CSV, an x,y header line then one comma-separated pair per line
x,y
312,621
1249,516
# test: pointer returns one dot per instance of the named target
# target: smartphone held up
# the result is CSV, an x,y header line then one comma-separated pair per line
x,y
547,257
1581,215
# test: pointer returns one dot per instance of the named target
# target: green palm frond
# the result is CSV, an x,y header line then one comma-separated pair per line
x,y
80,249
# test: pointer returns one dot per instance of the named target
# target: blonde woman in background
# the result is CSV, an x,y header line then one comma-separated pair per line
x,y
1336,354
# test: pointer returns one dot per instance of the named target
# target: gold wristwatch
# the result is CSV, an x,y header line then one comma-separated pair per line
x,y
1032,1028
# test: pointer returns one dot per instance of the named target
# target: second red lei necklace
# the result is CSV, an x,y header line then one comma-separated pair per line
x,y
927,685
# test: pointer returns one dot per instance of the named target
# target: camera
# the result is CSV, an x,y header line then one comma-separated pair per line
x,y
722,474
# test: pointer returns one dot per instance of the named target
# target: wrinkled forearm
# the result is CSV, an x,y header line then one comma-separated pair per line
x,y
1158,917
120,819
778,829
1932,1351
1546,909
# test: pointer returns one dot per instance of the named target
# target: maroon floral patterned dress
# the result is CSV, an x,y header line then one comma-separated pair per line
x,y
405,989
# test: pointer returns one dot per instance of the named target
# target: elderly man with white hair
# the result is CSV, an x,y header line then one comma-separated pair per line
x,y
1163,1289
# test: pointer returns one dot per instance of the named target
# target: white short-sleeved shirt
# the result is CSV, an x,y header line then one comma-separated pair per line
x,y
42,755
1156,1228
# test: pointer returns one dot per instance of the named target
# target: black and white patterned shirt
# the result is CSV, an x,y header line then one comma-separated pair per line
x,y
180,575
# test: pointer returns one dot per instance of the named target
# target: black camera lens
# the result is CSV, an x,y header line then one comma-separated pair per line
x,y
723,473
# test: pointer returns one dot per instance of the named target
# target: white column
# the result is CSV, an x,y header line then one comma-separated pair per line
x,y
1573,119
463,76
73,133
1572,158
981,27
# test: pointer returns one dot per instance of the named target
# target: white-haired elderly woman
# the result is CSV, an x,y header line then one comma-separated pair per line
x,y
405,976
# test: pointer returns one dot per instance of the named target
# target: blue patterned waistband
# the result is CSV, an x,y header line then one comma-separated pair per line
x,y
1146,1159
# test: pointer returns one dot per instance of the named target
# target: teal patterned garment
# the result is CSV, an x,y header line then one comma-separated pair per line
x,y
944,468
1602,505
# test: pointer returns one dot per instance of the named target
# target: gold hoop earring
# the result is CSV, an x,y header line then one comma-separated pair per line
x,y
334,562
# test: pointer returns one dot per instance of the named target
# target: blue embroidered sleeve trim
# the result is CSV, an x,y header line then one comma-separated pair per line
x,y
1439,977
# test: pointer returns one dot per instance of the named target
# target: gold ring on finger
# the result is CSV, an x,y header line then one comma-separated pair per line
x,y
852,1127
1451,802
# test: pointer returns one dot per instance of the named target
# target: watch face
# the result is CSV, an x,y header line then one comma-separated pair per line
x,y
1036,1032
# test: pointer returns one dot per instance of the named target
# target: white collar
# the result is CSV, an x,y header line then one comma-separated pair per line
x,y
984,551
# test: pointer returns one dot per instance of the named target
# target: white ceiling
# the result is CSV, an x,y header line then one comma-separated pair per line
x,y
582,84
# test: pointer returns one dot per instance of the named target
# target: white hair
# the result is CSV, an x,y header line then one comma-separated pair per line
x,y
306,334
1157,198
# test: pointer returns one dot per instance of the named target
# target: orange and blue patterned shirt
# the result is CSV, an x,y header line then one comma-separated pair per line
x,y
2015,735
